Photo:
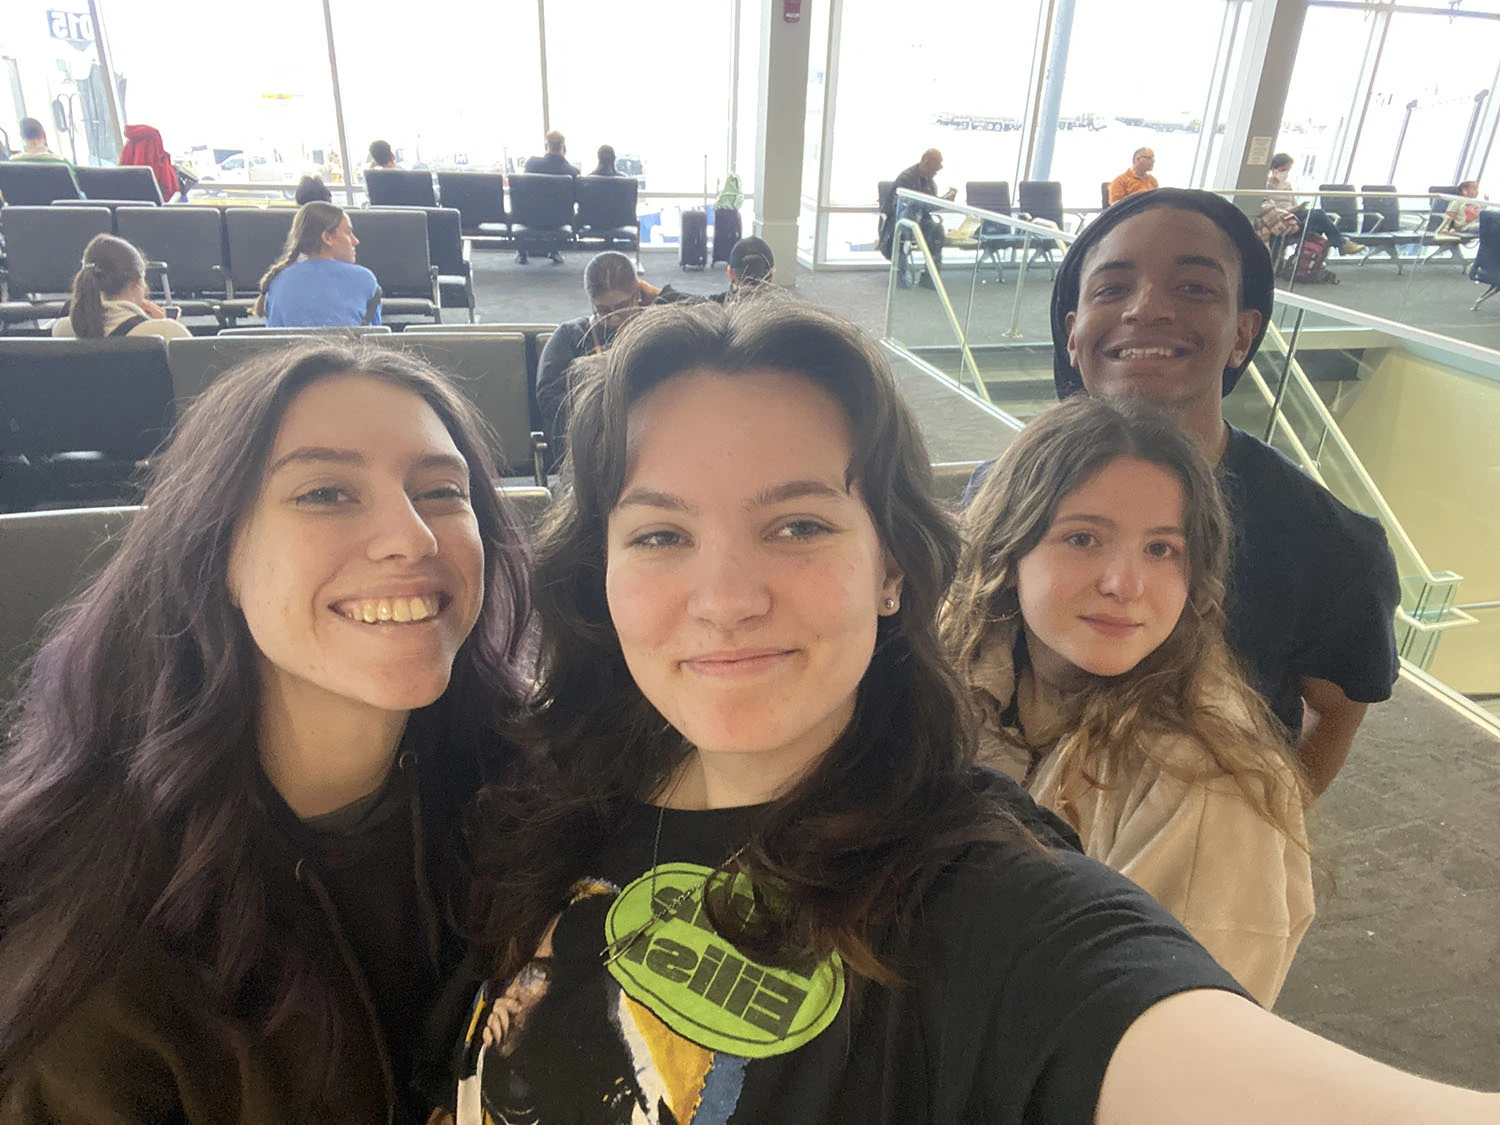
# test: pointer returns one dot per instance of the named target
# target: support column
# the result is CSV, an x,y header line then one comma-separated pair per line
x,y
1052,91
780,126
1265,74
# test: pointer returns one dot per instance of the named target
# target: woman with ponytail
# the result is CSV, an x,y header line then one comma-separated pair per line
x,y
315,283
109,296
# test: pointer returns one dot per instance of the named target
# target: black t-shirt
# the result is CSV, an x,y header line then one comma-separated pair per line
x,y
1312,588
1026,968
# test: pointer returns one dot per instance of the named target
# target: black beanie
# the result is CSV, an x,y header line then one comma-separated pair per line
x,y
1257,282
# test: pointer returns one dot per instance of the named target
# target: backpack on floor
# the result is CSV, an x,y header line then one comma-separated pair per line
x,y
1311,256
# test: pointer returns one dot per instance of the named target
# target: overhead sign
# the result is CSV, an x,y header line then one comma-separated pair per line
x,y
75,27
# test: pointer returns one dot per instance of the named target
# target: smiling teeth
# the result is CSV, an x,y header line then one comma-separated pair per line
x,y
399,610
1147,353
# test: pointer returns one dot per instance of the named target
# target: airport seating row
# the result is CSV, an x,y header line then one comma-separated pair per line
x,y
1376,219
27,183
81,419
210,260
533,212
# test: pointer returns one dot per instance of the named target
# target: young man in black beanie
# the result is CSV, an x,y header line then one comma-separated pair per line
x,y
1167,295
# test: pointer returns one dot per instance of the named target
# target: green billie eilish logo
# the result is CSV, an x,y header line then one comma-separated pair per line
x,y
695,982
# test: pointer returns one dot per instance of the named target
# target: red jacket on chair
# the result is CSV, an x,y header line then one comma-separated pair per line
x,y
143,147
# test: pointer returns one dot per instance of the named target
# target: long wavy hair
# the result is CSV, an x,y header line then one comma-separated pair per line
x,y
842,853
130,788
315,218
1190,686
110,264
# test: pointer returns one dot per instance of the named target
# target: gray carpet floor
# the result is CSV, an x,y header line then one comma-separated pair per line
x,y
1403,961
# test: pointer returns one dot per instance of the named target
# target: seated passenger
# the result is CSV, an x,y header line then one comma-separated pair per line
x,y
616,295
231,793
1282,214
1461,217
381,155
1137,178
606,165
34,144
315,283
312,189
110,296
554,161
752,266
747,872
1088,620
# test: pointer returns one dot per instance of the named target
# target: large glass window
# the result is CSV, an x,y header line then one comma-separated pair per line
x,y
433,82
909,80
1126,89
652,80
248,103
1321,115
1445,66
51,72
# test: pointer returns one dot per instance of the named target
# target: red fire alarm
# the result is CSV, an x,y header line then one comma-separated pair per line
x,y
791,10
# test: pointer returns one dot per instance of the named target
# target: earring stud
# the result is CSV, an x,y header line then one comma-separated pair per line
x,y
890,603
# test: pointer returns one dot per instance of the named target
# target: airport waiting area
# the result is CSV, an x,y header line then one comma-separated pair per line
x,y
1376,375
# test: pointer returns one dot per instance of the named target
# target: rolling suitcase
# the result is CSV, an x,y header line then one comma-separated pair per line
x,y
726,232
694,250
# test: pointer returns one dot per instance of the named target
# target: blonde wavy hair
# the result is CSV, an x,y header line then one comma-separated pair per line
x,y
1190,689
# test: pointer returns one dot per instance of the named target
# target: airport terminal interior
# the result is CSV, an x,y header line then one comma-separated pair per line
x,y
1380,374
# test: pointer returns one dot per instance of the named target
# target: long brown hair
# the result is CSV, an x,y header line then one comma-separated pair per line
x,y
314,219
844,852
131,799
1190,686
109,265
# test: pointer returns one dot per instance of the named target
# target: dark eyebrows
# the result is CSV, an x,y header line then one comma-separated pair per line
x,y
324,455
796,490
653,498
1182,260
316,454
1106,522
771,494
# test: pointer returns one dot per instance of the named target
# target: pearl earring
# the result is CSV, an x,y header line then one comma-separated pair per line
x,y
890,603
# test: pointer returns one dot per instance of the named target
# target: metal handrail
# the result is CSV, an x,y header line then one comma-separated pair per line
x,y
1387,516
942,292
981,213
1406,332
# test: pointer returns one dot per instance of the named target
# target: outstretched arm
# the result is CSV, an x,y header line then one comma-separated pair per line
x,y
1212,1056
1328,731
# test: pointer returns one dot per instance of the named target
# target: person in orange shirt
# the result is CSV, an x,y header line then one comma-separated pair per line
x,y
1136,178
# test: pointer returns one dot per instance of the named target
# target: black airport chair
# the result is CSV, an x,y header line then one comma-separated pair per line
x,y
255,238
84,414
188,243
393,246
994,238
1041,199
398,187
1486,267
1380,223
135,184
541,212
43,250
479,199
445,243
46,559
607,210
36,183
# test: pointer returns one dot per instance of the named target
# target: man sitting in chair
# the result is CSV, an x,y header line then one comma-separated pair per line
x,y
1136,178
919,178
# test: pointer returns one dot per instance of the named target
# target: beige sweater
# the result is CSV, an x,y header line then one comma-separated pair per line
x,y
1238,883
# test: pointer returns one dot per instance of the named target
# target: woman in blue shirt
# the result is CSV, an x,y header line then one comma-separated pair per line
x,y
315,283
